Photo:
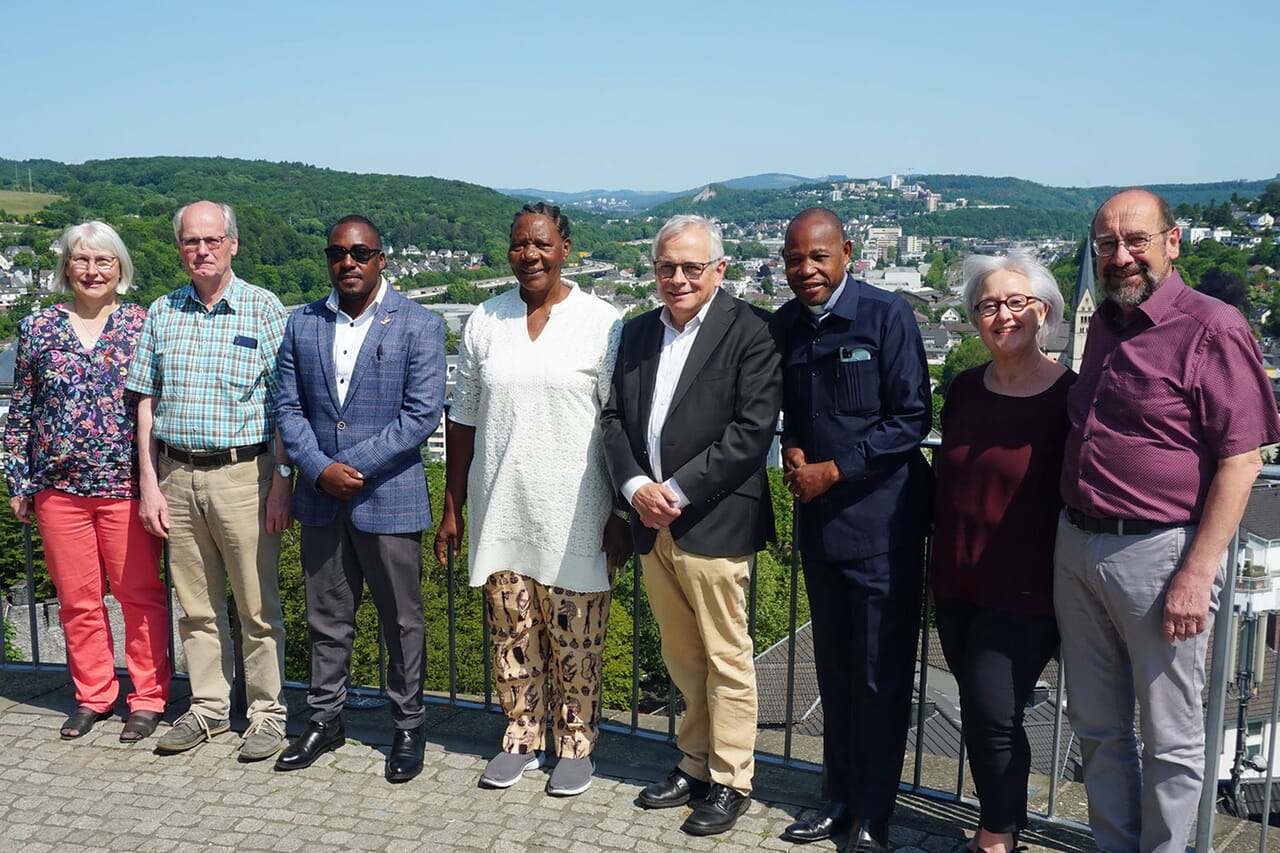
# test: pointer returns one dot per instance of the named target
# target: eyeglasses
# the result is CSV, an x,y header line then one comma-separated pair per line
x,y
1105,247
192,244
359,254
692,270
102,263
1016,305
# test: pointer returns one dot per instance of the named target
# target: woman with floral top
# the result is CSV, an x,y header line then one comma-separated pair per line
x,y
71,458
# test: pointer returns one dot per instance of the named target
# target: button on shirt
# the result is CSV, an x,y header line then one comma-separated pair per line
x,y
1164,394
676,346
211,370
348,337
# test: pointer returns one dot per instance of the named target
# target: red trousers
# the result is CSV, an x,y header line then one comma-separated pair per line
x,y
88,541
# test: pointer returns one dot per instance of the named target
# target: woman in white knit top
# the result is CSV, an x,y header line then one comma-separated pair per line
x,y
523,450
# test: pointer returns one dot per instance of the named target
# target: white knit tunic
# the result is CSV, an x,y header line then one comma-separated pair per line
x,y
538,492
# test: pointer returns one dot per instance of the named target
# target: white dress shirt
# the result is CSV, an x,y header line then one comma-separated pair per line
x,y
676,346
348,336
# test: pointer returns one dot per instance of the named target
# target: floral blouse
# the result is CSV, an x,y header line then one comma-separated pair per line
x,y
71,423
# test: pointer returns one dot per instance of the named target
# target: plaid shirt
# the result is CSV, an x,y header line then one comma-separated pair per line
x,y
213,371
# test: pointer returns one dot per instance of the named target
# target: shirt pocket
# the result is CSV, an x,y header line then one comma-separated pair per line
x,y
858,386
241,373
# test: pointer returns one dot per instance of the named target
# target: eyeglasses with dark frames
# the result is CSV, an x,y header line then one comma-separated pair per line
x,y
1017,303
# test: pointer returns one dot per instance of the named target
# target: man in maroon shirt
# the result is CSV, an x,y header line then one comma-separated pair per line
x,y
1166,420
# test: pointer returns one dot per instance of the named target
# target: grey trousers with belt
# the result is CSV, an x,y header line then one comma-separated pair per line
x,y
1109,595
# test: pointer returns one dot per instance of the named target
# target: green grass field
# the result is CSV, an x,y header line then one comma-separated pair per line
x,y
20,204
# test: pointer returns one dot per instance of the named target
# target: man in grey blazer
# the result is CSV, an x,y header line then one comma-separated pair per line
x,y
694,406
362,382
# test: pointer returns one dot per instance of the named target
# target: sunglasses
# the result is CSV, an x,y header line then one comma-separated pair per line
x,y
360,254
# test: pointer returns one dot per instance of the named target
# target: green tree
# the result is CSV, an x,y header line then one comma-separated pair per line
x,y
25,259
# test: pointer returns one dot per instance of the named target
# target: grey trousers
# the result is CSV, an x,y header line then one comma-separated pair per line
x,y
1109,596
337,560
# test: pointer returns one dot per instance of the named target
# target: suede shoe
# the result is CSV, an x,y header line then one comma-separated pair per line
x,y
571,777
718,812
318,739
507,768
263,739
676,790
832,819
190,730
405,760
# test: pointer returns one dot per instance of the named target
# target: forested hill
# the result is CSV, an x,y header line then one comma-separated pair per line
x,y
283,210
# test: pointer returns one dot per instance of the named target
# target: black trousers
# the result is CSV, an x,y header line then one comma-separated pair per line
x,y
996,658
337,560
866,620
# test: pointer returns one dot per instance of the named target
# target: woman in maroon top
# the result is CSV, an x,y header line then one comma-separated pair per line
x,y
1003,428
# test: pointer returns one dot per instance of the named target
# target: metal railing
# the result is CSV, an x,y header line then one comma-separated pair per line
x,y
641,724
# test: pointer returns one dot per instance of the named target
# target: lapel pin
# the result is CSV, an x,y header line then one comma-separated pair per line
x,y
385,320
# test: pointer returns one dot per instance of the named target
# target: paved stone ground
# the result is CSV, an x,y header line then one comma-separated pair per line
x,y
98,794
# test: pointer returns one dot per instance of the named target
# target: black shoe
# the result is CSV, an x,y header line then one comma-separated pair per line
x,y
867,836
718,812
676,790
832,819
318,739
405,760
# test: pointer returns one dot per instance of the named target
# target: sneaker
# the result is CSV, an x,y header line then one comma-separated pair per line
x,y
190,730
263,739
571,776
506,768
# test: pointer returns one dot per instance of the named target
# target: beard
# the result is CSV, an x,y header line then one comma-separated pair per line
x,y
1129,295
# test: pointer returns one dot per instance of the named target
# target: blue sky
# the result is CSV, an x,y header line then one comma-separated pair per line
x,y
657,95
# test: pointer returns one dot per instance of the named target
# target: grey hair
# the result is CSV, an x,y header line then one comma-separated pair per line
x,y
1043,285
228,220
93,235
680,223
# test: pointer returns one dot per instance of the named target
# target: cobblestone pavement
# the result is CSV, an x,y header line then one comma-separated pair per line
x,y
98,794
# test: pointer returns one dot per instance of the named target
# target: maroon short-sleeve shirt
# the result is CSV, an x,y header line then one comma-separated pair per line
x,y
1163,395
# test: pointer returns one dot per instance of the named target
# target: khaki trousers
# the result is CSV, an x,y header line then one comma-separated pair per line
x,y
547,640
218,534
700,605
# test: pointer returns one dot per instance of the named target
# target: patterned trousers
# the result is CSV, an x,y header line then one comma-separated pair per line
x,y
548,651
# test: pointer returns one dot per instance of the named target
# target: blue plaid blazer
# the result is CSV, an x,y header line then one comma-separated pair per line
x,y
393,403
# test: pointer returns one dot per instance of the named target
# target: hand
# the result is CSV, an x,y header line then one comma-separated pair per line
x,y
153,509
657,505
341,481
617,543
810,480
1186,606
449,534
21,506
278,518
792,458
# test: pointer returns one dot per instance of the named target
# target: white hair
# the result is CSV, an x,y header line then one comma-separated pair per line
x,y
680,223
93,235
1043,285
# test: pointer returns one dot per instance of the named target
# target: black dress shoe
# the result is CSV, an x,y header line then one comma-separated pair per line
x,y
405,760
318,739
867,836
676,790
831,819
718,812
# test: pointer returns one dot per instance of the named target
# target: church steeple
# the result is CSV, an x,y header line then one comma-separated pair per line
x,y
1083,305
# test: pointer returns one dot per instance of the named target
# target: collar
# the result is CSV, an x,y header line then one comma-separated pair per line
x,y
372,310
822,310
233,295
694,322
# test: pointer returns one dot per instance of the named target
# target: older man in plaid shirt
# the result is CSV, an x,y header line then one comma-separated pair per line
x,y
210,483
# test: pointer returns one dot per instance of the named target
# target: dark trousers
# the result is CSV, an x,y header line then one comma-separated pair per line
x,y
996,658
337,560
866,619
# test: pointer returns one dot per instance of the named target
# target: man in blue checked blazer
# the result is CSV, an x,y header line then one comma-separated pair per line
x,y
362,383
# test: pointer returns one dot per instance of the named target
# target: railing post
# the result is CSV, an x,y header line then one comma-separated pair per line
x,y
452,623
635,642
1055,770
31,594
1223,624
791,646
1271,755
922,689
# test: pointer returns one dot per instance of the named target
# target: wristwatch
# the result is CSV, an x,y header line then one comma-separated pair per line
x,y
285,471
